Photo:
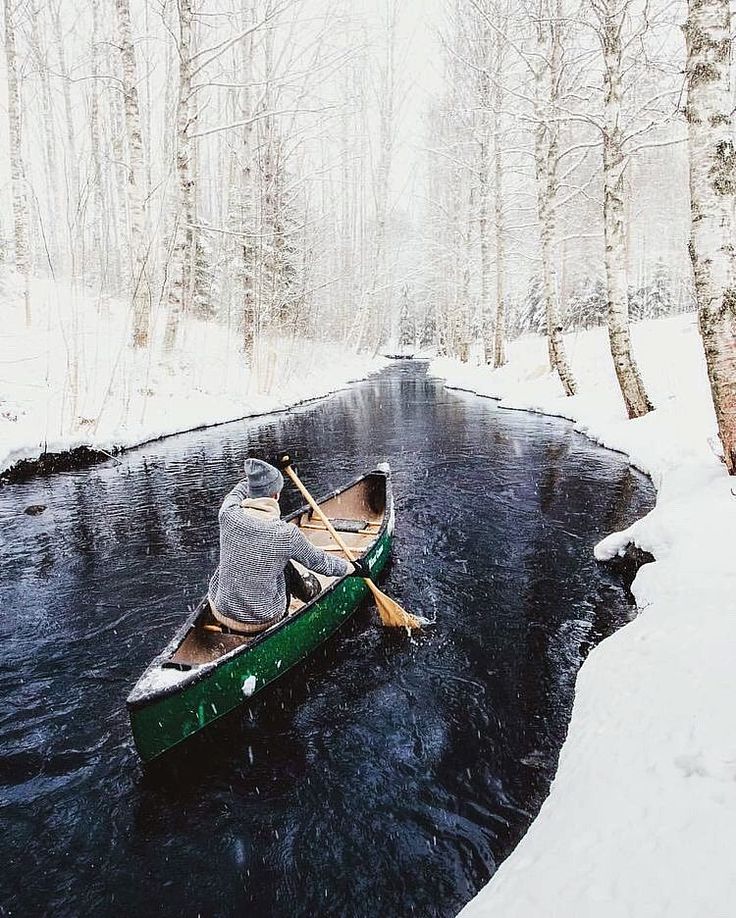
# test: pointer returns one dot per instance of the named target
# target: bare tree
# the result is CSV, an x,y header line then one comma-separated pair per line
x,y
17,172
612,16
483,317
546,66
499,334
71,159
184,242
53,186
139,247
712,196
374,315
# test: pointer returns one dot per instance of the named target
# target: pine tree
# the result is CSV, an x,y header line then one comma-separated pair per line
x,y
659,298
587,305
428,333
407,326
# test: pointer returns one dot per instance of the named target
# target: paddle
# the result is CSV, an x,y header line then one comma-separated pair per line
x,y
392,615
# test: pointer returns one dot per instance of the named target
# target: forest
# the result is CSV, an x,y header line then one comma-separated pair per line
x,y
223,182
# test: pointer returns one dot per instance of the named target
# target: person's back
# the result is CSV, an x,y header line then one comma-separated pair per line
x,y
248,591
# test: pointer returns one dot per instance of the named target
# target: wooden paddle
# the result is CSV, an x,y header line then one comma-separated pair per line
x,y
392,615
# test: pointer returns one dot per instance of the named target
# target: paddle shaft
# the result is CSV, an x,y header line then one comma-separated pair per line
x,y
330,528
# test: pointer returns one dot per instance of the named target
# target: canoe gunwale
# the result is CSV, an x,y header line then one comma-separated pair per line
x,y
197,674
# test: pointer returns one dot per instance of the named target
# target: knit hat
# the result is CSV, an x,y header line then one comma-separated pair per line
x,y
263,479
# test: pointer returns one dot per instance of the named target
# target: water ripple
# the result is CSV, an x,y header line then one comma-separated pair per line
x,y
385,775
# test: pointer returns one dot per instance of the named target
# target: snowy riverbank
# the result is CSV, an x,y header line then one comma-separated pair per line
x,y
71,380
641,817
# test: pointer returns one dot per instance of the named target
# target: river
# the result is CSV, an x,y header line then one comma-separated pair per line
x,y
387,775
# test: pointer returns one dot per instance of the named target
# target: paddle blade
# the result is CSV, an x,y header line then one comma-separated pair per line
x,y
392,615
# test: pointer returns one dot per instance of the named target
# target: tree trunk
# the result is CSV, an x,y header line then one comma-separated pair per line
x,y
462,334
100,218
180,289
139,253
545,156
632,388
483,316
712,196
17,174
246,194
53,187
499,336
72,159
135,174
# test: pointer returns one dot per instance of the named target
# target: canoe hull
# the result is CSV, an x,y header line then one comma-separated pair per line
x,y
167,720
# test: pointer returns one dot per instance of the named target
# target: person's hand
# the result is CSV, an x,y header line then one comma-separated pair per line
x,y
361,569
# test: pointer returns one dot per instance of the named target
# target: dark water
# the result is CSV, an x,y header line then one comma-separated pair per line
x,y
386,776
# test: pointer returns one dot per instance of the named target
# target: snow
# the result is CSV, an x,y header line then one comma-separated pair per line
x,y
249,685
156,679
126,398
641,816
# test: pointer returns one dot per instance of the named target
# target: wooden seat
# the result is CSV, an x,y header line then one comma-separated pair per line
x,y
201,646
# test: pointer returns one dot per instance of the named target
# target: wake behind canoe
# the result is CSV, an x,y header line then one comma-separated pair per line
x,y
203,674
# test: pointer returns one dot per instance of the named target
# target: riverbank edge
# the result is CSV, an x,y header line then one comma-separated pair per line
x,y
23,463
646,781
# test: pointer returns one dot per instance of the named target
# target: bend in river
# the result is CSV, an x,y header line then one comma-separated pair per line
x,y
386,775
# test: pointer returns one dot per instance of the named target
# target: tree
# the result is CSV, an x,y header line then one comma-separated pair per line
x,y
376,314
499,334
547,79
184,245
612,16
407,324
17,172
587,306
138,247
712,197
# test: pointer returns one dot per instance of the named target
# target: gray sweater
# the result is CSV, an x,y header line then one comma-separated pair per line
x,y
255,547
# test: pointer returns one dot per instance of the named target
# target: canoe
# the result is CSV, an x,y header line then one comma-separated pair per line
x,y
204,673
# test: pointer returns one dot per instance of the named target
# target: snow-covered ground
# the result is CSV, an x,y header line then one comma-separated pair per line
x,y
72,380
641,817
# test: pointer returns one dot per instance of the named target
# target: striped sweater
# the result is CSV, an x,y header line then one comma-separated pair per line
x,y
255,547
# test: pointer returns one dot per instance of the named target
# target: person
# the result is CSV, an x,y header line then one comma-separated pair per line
x,y
252,586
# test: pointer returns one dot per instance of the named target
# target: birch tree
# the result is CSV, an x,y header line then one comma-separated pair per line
x,y
17,172
53,184
712,197
71,158
244,218
499,333
374,314
612,16
483,318
546,67
138,248
183,248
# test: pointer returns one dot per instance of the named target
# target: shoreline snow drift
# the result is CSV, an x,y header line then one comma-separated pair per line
x,y
72,381
641,816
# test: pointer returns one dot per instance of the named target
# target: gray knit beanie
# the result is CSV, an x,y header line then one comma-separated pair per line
x,y
263,479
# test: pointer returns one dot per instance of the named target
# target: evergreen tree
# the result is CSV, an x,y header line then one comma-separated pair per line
x,y
587,305
428,333
530,316
407,325
659,298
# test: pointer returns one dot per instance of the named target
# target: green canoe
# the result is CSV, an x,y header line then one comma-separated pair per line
x,y
203,673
